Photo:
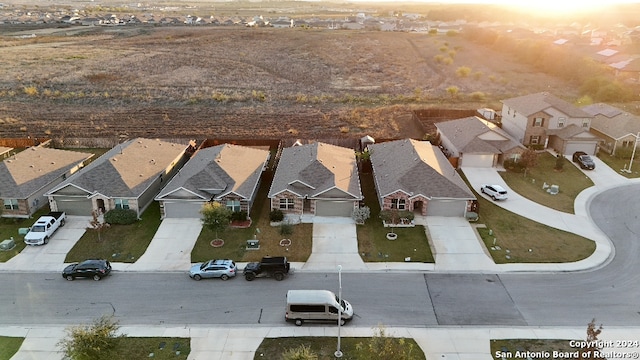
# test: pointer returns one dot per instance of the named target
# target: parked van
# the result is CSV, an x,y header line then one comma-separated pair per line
x,y
316,305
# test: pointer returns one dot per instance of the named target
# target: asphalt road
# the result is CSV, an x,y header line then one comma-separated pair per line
x,y
610,294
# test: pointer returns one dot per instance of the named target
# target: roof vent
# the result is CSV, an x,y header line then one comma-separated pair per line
x,y
31,166
141,175
53,163
114,159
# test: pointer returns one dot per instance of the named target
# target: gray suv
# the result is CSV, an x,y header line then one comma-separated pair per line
x,y
496,192
223,269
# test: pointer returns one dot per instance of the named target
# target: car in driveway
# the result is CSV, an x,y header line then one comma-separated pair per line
x,y
584,160
496,192
92,268
219,268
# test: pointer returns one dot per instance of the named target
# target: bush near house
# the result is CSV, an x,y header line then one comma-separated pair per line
x,y
120,216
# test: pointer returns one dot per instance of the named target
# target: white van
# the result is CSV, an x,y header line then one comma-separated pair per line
x,y
315,305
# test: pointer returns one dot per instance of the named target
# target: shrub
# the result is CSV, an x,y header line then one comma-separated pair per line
x,y
302,352
120,216
239,215
276,215
286,229
360,215
91,342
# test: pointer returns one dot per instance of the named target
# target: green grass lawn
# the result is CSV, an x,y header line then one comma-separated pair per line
x,y
9,228
511,346
9,346
570,180
325,347
121,243
618,164
372,241
235,240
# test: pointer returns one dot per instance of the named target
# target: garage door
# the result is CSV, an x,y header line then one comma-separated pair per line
x,y
474,160
334,208
74,205
446,207
572,147
182,209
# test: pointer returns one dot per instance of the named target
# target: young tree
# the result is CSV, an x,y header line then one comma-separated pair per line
x,y
528,160
97,224
592,336
215,216
91,342
559,162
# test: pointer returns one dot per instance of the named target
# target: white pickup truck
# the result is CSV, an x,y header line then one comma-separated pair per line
x,y
44,228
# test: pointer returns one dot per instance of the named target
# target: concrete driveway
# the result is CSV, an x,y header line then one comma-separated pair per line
x,y
49,257
170,249
335,242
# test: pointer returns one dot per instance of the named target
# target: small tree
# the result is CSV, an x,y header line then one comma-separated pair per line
x,y
592,336
559,162
98,225
91,342
215,217
528,160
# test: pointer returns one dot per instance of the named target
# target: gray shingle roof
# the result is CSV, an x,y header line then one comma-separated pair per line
x,y
219,170
34,168
127,170
533,103
474,135
612,121
416,167
310,170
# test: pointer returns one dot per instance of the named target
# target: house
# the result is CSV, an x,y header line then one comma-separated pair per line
x,y
476,142
26,176
4,151
545,121
616,127
316,179
128,176
228,174
416,176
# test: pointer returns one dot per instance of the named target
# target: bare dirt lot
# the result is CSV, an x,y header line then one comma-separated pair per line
x,y
237,82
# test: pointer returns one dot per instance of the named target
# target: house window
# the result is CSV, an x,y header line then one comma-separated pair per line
x,y
534,140
233,205
399,204
121,203
11,204
561,122
627,143
538,122
585,123
286,204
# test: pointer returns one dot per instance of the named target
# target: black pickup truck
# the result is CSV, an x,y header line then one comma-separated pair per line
x,y
276,267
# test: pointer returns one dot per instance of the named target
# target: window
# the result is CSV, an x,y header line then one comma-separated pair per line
x,y
286,204
627,143
585,123
121,203
538,122
561,122
11,204
233,205
534,140
399,204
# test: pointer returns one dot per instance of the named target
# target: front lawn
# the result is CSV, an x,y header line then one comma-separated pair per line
x,y
618,164
510,348
9,228
235,240
121,243
570,180
162,348
373,244
9,346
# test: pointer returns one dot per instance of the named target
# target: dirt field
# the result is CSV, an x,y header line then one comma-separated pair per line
x,y
236,82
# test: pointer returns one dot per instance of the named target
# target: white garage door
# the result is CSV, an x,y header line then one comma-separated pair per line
x,y
572,147
74,205
446,208
334,208
182,209
475,160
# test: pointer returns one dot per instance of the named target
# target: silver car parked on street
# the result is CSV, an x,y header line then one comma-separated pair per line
x,y
223,269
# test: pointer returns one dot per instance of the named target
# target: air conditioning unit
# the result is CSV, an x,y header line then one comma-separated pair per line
x,y
7,245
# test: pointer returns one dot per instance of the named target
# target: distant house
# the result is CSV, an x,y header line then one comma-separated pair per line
x,y
545,121
617,127
228,174
4,151
26,176
128,176
416,176
316,179
476,142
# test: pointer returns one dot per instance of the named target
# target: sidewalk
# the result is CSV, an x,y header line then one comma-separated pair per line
x,y
240,343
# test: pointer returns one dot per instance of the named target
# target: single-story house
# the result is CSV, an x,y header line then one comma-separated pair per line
x,y
228,174
26,176
416,176
616,127
475,142
4,151
128,176
316,179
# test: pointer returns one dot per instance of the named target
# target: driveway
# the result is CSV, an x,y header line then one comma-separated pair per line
x,y
50,257
170,249
335,242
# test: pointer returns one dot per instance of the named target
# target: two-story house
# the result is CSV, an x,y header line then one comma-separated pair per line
x,y
545,121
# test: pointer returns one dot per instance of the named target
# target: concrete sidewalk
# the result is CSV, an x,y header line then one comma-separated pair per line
x,y
241,342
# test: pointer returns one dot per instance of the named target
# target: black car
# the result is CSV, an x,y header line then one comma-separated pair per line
x,y
277,267
583,160
95,269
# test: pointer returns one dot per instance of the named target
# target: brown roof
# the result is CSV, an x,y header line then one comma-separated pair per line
x,y
533,103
